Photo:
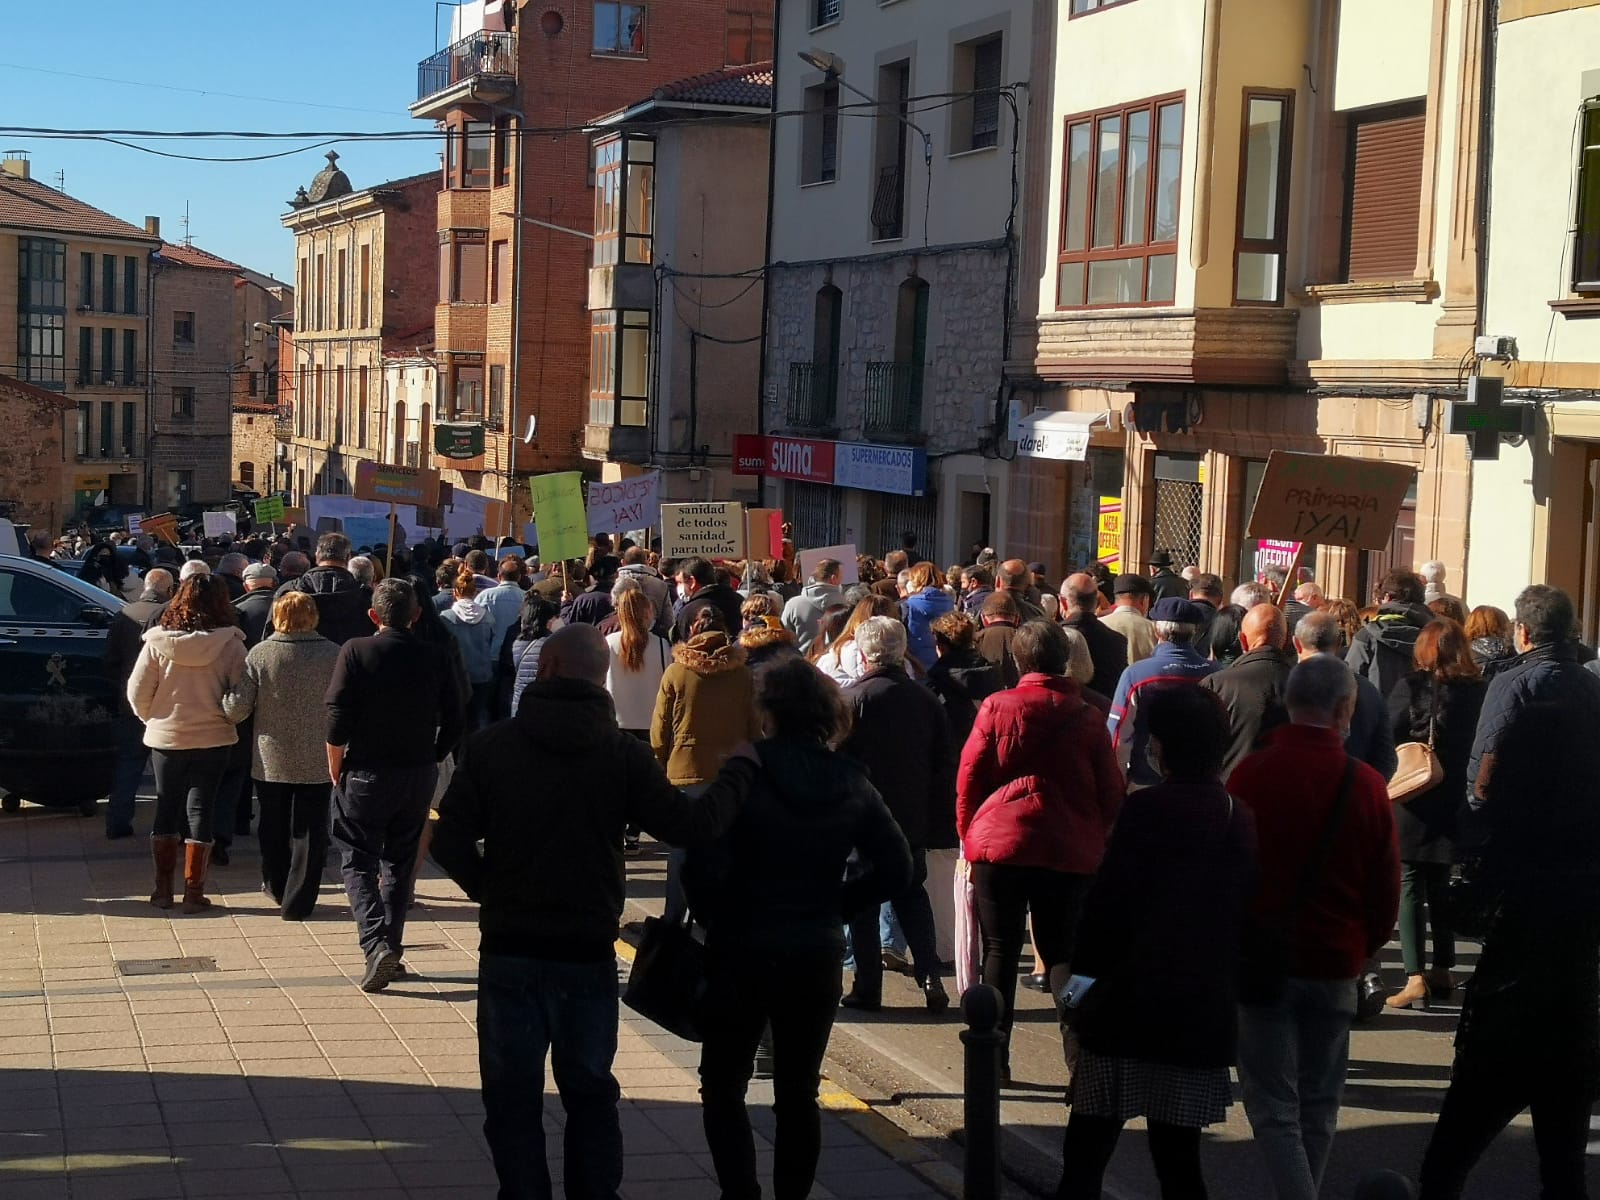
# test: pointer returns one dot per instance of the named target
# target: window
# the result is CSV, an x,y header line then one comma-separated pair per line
x,y
85,354
42,312
624,200
468,392
464,266
302,295
341,275
888,211
183,329
1383,178
500,272
497,396
108,356
619,28
86,280
1079,7
475,162
129,409
1263,197
84,416
251,387
502,151
1586,244
361,408
180,486
976,120
819,138
130,285
1119,225
749,38
338,405
364,300
247,474
108,282
619,367
183,403
826,12
108,428
130,358
31,600
320,300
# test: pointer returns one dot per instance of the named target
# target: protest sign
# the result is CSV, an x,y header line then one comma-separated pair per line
x,y
218,524
162,525
269,509
626,504
559,510
712,530
849,571
766,532
1329,500
396,485
370,532
133,522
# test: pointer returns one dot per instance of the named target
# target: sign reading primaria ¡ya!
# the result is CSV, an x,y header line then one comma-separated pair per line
x,y
1328,500
397,485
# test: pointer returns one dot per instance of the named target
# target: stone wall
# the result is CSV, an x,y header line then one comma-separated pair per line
x,y
33,486
199,443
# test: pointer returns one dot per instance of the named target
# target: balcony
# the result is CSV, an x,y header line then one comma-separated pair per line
x,y
479,69
893,404
813,395
616,443
889,205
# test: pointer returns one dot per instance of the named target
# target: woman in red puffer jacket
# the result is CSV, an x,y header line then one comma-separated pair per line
x,y
1038,790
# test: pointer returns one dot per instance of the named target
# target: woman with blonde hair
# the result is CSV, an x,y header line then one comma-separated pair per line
x,y
1349,618
842,661
284,684
189,662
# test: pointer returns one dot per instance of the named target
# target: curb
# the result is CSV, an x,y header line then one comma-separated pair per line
x,y
938,1173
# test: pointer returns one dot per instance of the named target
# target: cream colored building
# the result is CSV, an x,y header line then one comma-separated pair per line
x,y
1257,231
1535,516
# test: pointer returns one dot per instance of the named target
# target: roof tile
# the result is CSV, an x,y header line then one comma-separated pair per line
x,y
743,87
29,204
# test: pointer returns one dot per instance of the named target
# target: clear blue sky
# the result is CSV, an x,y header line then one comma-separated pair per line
x,y
294,56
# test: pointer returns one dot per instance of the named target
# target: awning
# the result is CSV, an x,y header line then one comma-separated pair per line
x,y
1063,436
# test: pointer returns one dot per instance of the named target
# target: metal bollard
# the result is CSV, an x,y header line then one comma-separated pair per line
x,y
981,1008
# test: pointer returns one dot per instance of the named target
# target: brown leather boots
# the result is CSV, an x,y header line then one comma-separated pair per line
x,y
164,850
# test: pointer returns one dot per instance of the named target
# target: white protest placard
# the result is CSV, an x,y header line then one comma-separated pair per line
x,y
712,530
849,572
219,524
626,504
133,522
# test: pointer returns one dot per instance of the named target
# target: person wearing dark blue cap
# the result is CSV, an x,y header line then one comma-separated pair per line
x,y
1175,662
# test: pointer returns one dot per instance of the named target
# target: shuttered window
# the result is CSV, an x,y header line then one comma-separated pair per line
x,y
1586,246
1384,177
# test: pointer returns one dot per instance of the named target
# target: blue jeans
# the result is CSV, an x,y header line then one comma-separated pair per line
x,y
127,771
528,1007
1292,1058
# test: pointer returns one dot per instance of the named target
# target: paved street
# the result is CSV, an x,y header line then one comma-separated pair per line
x,y
262,1070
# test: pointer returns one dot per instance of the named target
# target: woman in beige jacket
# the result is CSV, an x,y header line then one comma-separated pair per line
x,y
189,662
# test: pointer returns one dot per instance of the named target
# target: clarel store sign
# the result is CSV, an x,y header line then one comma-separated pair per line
x,y
898,470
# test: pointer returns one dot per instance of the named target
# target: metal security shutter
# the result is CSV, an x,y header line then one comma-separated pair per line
x,y
900,514
1385,199
816,510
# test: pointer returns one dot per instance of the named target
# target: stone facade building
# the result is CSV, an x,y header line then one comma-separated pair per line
x,y
33,461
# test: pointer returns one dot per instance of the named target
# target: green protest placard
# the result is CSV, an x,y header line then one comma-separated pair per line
x,y
269,509
560,514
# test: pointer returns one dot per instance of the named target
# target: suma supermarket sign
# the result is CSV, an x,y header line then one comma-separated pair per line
x,y
898,470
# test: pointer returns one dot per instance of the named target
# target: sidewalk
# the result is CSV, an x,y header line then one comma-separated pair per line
x,y
153,1055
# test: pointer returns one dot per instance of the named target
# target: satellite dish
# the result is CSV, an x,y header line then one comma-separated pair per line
x,y
533,425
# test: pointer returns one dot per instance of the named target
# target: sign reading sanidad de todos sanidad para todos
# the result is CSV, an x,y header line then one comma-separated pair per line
x,y
1329,500
713,530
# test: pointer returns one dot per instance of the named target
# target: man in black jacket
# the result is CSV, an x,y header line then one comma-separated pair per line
x,y
1252,686
903,737
698,579
124,643
393,714
1206,594
1108,649
341,602
550,884
255,606
1164,581
1383,648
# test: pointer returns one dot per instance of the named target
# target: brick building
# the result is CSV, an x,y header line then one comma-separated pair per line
x,y
515,217
33,461
364,264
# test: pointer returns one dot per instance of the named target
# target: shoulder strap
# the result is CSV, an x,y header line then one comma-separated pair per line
x,y
1433,708
661,652
1316,866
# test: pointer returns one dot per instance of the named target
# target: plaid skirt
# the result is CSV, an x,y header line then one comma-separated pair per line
x,y
1125,1088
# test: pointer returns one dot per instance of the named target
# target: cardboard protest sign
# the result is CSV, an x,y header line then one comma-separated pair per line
x,y
1329,500
559,510
713,530
397,485
849,569
162,525
218,524
133,522
269,509
626,504
766,532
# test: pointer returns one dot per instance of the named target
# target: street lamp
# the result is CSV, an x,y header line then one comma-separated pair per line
x,y
832,67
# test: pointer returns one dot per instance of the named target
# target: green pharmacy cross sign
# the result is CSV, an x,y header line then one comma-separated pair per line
x,y
458,441
1484,418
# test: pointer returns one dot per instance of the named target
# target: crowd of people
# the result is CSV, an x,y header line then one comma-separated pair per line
x,y
1203,808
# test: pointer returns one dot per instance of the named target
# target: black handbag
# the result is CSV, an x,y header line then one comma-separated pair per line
x,y
1266,945
1473,900
667,983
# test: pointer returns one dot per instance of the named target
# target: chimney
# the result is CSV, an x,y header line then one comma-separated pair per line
x,y
152,226
16,164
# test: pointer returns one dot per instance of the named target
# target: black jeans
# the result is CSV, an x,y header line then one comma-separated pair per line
x,y
1090,1141
294,843
378,824
1003,896
914,911
527,1008
232,816
186,791
1482,1101
798,993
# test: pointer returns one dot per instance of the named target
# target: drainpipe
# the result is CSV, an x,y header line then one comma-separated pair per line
x,y
149,379
516,340
766,255
1200,220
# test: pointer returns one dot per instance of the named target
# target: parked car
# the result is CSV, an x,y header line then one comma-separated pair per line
x,y
57,703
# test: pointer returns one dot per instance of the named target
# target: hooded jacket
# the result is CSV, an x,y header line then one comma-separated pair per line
x,y
705,708
777,880
473,627
1384,648
921,610
341,602
177,686
656,589
549,878
903,737
803,614
1038,785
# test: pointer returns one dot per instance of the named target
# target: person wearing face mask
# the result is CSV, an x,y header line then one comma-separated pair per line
x,y
697,584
